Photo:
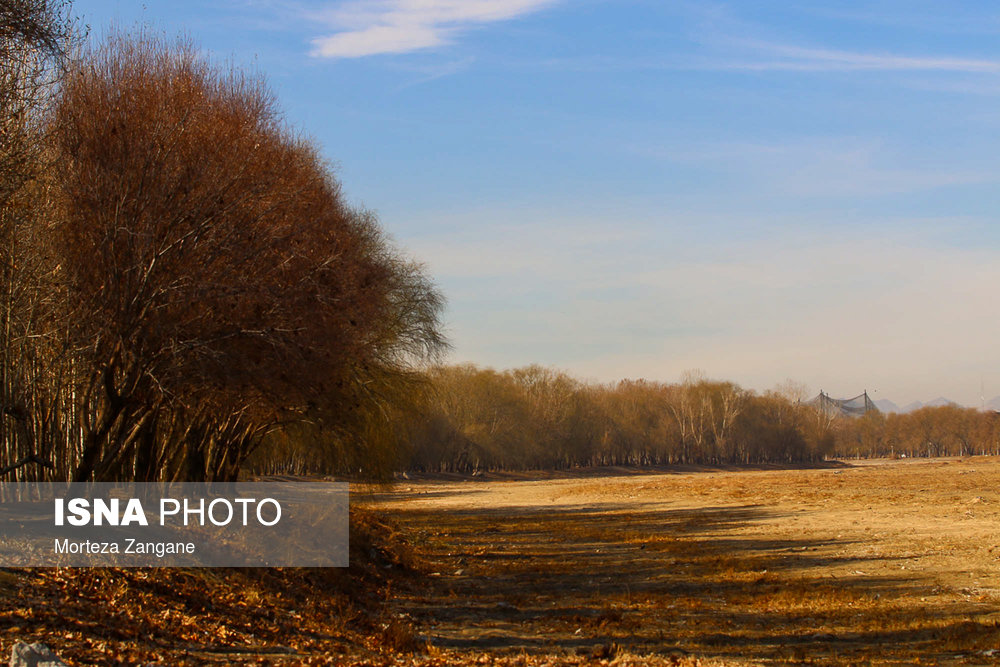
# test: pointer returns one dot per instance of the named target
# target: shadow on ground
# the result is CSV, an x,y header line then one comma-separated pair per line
x,y
601,578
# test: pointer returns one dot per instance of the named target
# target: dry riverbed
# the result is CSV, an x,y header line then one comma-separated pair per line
x,y
884,562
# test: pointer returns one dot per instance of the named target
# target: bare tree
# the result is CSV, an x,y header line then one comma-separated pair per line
x,y
222,287
34,39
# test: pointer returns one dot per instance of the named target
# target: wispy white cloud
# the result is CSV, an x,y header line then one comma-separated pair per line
x,y
370,27
736,43
798,58
774,57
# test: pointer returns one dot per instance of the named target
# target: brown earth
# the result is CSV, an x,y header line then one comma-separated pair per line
x,y
879,562
217,616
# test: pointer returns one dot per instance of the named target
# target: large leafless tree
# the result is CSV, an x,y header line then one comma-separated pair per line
x,y
221,286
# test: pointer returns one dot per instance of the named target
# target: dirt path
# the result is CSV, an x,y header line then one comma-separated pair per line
x,y
888,562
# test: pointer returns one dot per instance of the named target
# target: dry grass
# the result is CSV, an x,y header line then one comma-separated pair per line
x,y
875,563
881,563
253,616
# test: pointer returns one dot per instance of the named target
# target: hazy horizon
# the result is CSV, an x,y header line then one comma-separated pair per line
x,y
627,189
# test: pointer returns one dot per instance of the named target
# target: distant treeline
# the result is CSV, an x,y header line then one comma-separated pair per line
x,y
948,430
474,419
540,418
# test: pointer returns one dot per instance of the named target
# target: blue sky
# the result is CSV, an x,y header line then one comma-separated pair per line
x,y
759,190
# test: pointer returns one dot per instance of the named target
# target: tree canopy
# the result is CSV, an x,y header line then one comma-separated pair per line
x,y
212,284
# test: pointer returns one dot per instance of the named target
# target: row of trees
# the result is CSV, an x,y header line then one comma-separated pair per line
x,y
182,280
473,419
540,418
947,430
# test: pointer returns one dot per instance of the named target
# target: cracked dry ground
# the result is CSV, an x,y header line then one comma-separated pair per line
x,y
890,562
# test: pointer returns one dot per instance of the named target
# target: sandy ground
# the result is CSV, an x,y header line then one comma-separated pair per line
x,y
881,562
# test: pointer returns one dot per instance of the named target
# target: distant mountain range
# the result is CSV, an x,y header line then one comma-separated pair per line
x,y
885,405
